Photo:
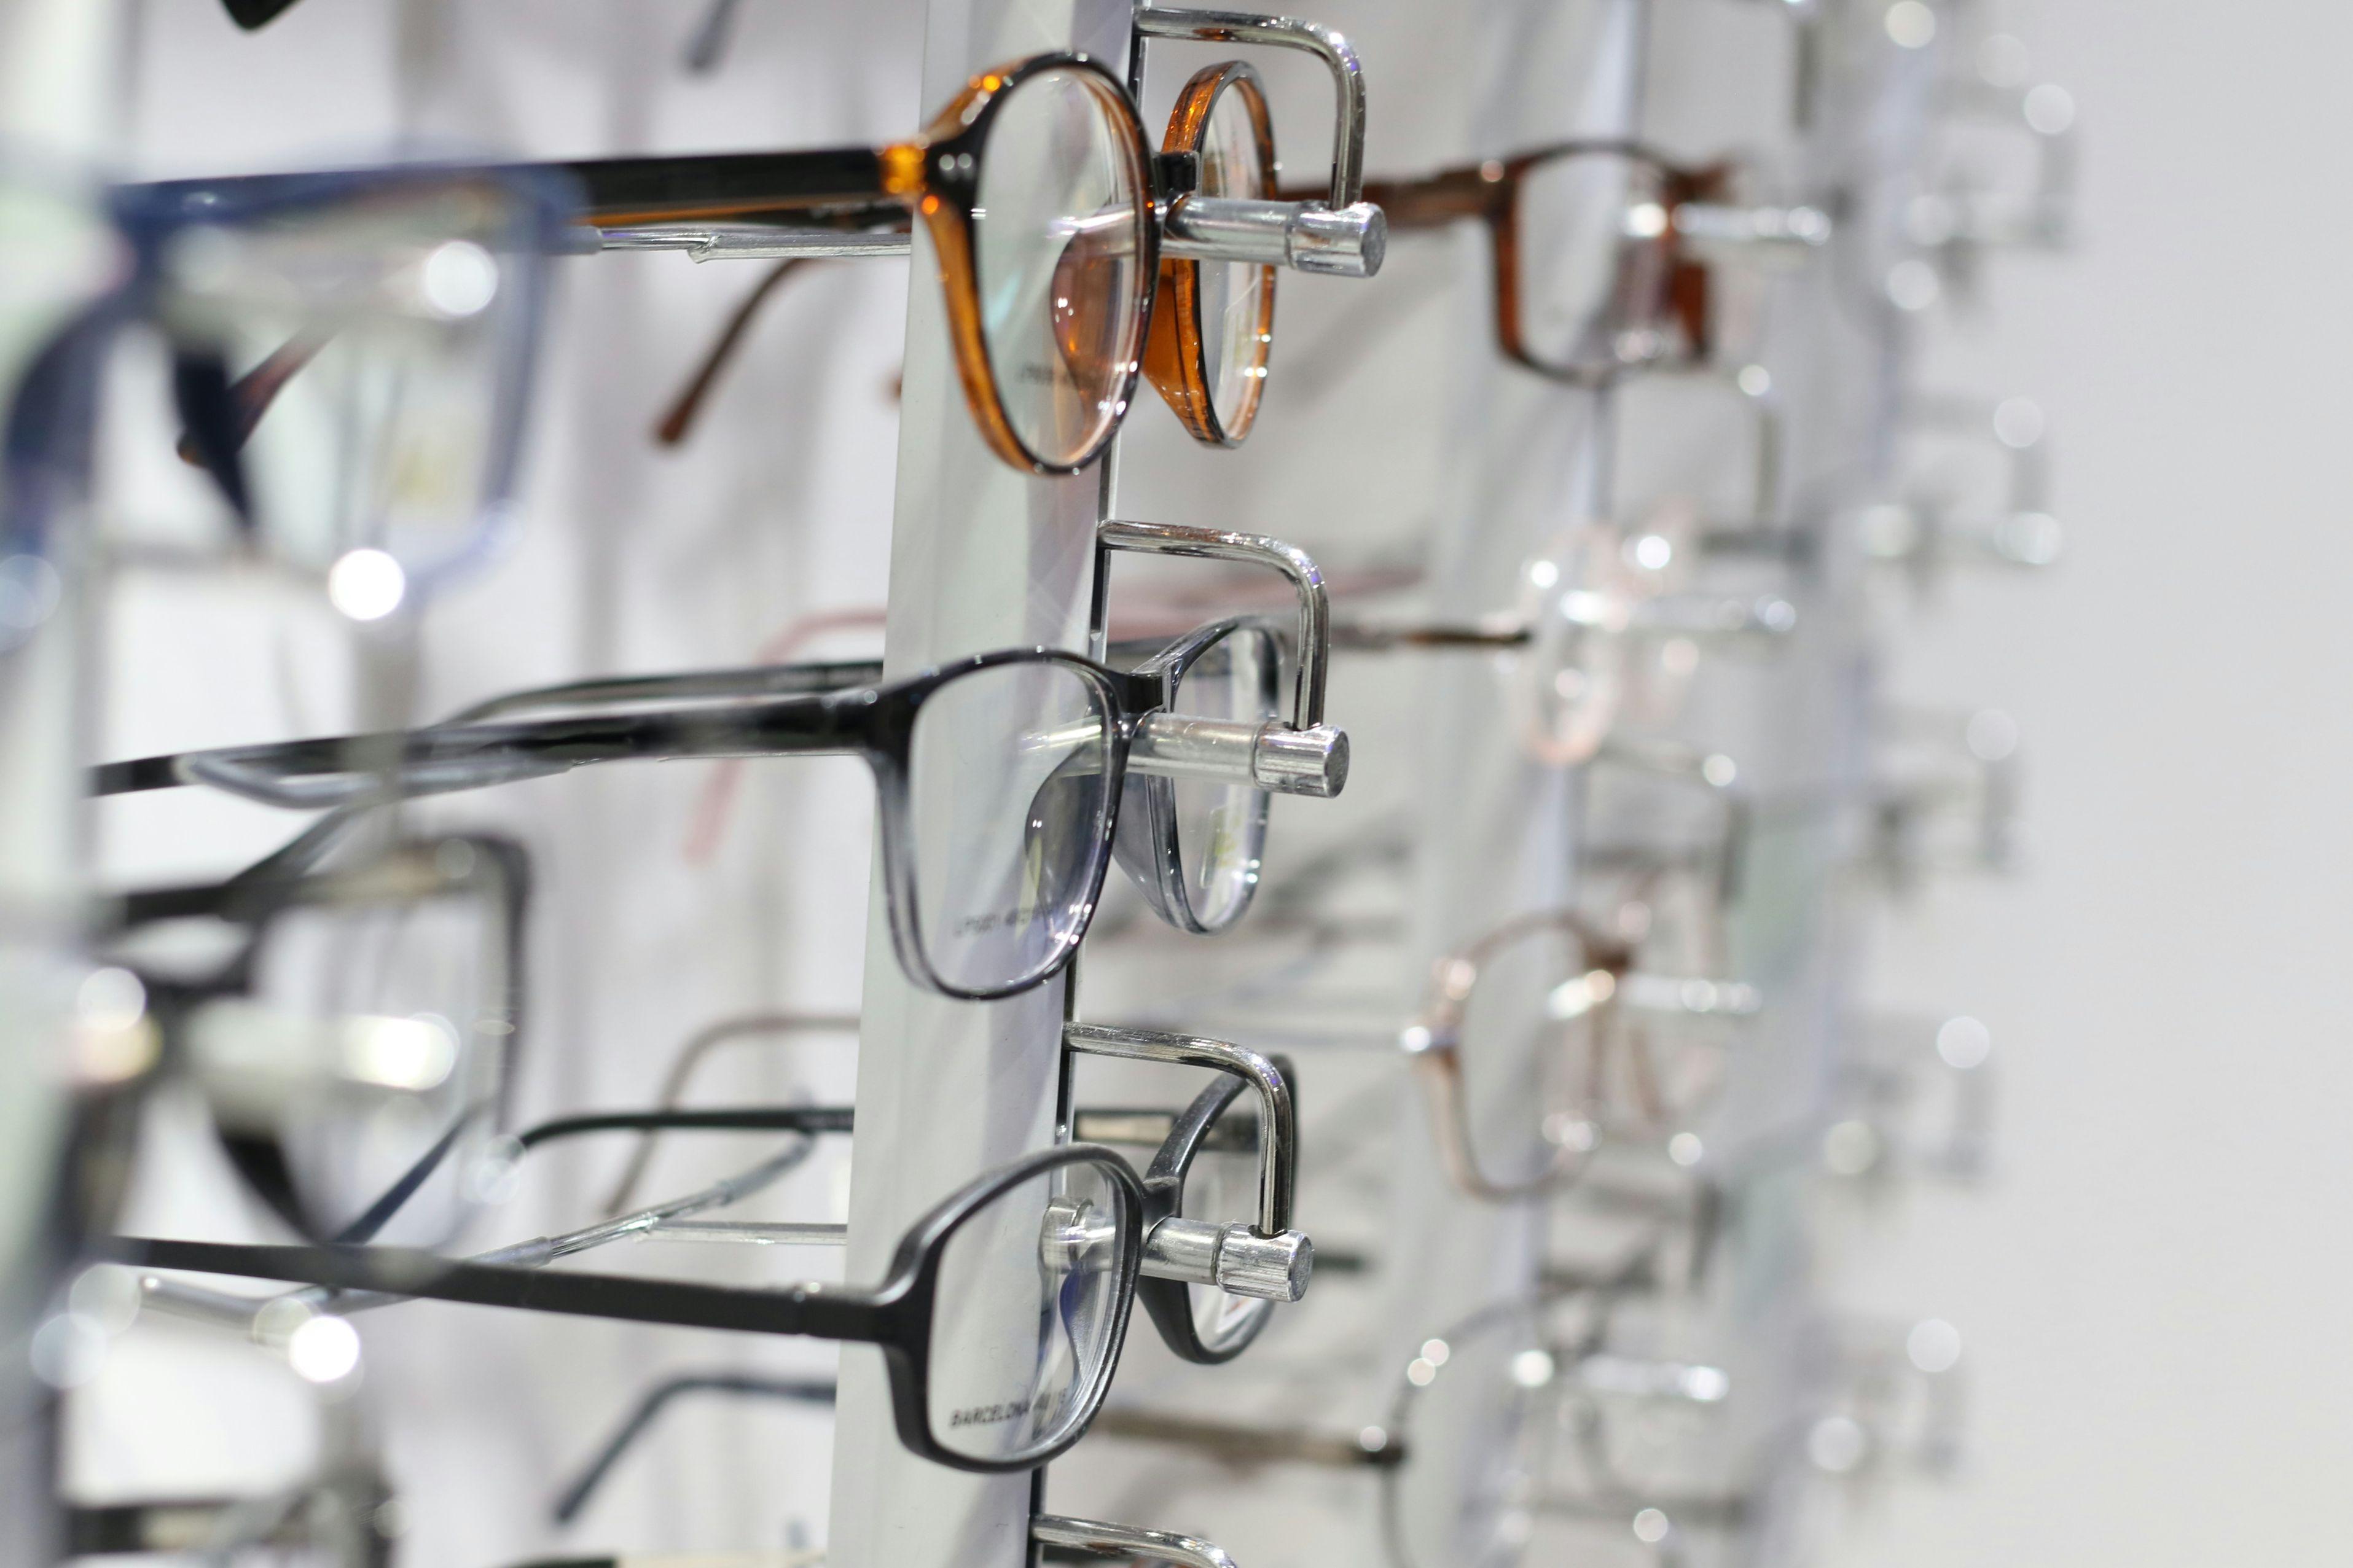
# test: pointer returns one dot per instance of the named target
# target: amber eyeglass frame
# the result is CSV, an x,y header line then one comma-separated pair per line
x,y
1176,343
1177,351
1491,192
936,177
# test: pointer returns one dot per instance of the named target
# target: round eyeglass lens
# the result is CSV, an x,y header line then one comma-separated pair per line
x,y
1027,1314
1236,298
1060,231
1594,235
1009,801
1221,827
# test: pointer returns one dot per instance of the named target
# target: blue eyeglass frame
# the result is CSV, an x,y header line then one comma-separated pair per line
x,y
51,413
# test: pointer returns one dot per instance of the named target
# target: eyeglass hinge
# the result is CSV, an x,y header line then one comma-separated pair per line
x,y
1175,174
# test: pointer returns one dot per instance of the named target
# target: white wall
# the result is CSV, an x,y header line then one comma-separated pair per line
x,y
2152,1291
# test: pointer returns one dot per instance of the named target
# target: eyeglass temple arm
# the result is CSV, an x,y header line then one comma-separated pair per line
x,y
1063,1540
241,404
808,1310
1146,1128
671,429
575,1496
835,187
1327,44
746,681
315,775
182,1525
1097,1538
1436,200
707,44
1236,1442
244,1315
691,1055
807,1119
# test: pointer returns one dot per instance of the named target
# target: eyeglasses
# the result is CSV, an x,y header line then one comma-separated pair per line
x,y
1190,1258
1209,1282
1074,260
350,362
352,1032
992,876
1601,249
1193,1262
1501,1412
1588,607
1042,1252
1514,1044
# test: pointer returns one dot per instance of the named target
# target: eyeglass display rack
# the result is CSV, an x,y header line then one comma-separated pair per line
x,y
981,557
1449,828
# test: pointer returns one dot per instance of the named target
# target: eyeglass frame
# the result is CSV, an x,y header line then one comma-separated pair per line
x,y
1262,1260
1433,1043
1489,192
895,1315
847,192
53,406
498,868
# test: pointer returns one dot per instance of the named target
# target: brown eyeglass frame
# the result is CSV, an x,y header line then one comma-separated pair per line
x,y
1435,1040
1489,192
934,176
1176,343
1177,350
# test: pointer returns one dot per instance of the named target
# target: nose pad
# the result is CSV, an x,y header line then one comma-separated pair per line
x,y
211,435
1061,820
1144,805
253,13
1076,1237
1084,299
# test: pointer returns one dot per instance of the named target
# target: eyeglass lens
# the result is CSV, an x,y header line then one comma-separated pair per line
x,y
1059,227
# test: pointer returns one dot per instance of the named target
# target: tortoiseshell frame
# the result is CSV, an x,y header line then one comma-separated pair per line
x,y
935,176
1177,352
1491,193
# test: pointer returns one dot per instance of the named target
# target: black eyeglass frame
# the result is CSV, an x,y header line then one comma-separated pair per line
x,y
494,868
895,1315
806,710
